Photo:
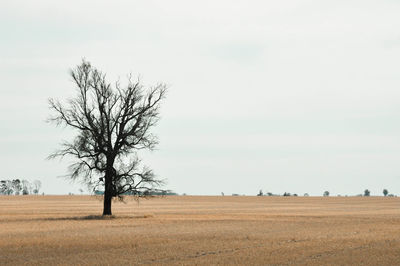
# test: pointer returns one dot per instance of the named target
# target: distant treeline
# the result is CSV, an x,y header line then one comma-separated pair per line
x,y
326,193
18,187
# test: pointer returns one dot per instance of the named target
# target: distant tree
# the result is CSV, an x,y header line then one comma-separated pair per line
x,y
112,124
286,194
5,187
260,193
367,193
326,193
16,185
2,187
37,184
270,194
385,192
306,195
26,187
222,194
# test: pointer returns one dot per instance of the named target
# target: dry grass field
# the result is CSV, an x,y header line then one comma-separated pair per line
x,y
180,230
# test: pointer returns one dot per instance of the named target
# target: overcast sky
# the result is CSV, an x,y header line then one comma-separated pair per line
x,y
297,96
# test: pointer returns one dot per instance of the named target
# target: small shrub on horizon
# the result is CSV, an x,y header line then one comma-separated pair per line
x,y
385,192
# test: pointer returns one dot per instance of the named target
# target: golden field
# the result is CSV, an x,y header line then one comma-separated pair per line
x,y
202,230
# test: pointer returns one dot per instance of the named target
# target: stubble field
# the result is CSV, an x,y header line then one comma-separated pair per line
x,y
51,230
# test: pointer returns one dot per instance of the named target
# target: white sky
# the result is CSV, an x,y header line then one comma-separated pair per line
x,y
296,96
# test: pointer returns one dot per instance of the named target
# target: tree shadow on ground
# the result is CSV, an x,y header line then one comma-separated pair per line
x,y
97,217
79,218
87,217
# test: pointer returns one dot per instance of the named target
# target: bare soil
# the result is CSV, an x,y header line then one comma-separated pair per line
x,y
202,230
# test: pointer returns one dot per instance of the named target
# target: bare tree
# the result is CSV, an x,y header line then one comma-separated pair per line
x,y
37,184
112,124
26,187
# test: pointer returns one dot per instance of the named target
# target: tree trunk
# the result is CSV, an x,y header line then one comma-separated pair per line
x,y
107,203
108,194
